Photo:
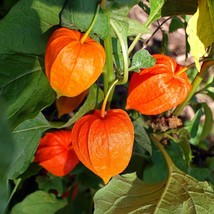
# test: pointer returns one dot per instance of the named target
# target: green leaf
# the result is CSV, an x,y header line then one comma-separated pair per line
x,y
183,140
175,24
155,165
127,194
6,156
94,98
78,14
39,202
141,136
180,136
197,130
5,6
135,28
23,86
200,37
26,137
129,27
202,174
120,19
142,59
198,195
119,11
48,183
180,193
155,11
211,8
193,126
26,27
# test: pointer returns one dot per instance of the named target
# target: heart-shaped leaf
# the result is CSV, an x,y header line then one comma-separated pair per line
x,y
26,137
23,86
180,193
27,26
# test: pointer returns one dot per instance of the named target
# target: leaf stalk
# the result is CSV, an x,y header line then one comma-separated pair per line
x,y
82,40
103,108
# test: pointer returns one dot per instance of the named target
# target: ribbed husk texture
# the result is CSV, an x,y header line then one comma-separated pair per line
x,y
159,88
104,144
70,66
55,153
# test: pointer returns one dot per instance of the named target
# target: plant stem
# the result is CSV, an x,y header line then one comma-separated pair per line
x,y
82,40
125,55
133,44
103,109
108,75
196,82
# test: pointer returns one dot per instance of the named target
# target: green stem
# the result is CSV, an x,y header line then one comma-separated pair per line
x,y
133,44
125,55
196,82
103,109
108,75
82,40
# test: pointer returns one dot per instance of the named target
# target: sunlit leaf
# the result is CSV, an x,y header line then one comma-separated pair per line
x,y
180,193
119,14
201,37
135,27
155,11
126,194
142,59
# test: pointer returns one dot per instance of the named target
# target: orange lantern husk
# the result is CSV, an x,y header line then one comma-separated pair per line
x,y
55,153
159,88
72,66
104,144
